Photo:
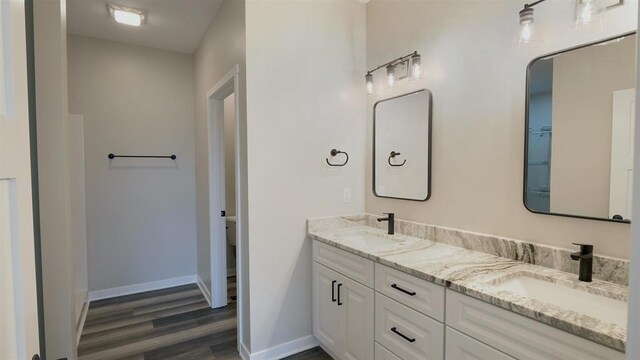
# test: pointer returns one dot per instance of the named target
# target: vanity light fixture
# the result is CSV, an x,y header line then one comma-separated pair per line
x,y
410,63
416,67
369,80
126,15
391,75
586,11
526,22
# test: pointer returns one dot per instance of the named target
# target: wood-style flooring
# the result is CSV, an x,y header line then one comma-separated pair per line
x,y
174,323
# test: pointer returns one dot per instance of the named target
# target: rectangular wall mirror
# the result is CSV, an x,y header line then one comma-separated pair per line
x,y
402,146
579,132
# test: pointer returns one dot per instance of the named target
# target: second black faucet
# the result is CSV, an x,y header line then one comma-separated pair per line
x,y
391,220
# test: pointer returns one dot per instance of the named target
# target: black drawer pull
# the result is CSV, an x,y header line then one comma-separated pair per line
x,y
339,303
333,291
402,335
412,293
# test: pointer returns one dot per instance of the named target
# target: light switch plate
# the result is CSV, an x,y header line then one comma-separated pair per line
x,y
346,195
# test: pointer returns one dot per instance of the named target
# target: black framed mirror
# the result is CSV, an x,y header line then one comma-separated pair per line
x,y
579,137
402,146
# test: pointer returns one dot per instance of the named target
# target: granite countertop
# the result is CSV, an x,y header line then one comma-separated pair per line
x,y
476,274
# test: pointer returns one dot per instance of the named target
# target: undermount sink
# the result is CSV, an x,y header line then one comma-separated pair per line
x,y
563,295
373,239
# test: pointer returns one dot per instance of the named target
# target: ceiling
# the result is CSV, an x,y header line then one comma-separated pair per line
x,y
176,25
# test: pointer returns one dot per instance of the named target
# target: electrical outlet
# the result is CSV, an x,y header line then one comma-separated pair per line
x,y
346,195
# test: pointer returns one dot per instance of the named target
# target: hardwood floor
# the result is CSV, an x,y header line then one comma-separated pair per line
x,y
174,323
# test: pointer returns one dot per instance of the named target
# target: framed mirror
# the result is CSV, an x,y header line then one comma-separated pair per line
x,y
402,146
579,131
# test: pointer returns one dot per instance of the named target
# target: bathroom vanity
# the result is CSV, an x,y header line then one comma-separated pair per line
x,y
406,296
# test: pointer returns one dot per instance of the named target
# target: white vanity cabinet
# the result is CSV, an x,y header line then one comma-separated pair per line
x,y
364,310
342,307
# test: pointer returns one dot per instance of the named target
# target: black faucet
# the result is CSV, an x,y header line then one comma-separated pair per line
x,y
585,256
391,219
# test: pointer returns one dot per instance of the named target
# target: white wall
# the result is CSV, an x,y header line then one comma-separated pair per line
x,y
305,96
75,158
221,48
53,168
477,76
140,212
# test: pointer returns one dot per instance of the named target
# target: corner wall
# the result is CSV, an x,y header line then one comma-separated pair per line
x,y
50,44
221,48
305,96
477,76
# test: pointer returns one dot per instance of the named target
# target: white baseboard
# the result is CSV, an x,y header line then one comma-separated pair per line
x,y
138,288
205,291
283,350
244,353
80,324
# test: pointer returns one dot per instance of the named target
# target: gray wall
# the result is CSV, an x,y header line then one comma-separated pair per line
x,y
140,212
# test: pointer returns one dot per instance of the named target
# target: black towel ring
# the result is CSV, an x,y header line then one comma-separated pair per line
x,y
393,155
335,152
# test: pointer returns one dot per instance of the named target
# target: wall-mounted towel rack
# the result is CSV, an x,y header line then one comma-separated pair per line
x,y
172,157
393,155
335,152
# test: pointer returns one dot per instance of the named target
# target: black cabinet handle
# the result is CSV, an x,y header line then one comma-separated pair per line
x,y
412,293
402,335
333,291
339,303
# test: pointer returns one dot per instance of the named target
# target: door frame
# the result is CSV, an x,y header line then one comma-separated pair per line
x,y
229,84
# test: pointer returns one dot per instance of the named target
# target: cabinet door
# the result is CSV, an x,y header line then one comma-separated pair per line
x,y
462,347
326,317
356,317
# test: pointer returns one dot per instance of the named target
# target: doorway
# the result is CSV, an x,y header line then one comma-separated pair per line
x,y
225,201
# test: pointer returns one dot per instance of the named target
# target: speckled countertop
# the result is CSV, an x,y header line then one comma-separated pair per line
x,y
476,274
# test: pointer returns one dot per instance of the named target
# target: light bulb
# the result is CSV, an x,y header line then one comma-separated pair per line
x,y
585,12
526,24
526,32
416,68
391,76
369,81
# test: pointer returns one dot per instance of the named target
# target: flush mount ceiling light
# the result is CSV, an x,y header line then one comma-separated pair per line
x,y
410,63
126,15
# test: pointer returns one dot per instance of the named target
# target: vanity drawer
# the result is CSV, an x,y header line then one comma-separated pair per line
x,y
350,265
383,354
461,347
416,293
407,333
519,336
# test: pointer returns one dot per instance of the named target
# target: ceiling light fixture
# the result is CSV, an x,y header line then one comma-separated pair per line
x,y
411,64
125,15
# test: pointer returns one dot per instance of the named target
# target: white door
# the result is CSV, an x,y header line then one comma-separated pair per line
x,y
18,297
622,131
326,320
356,315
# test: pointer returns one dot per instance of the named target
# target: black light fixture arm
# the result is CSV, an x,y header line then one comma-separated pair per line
x,y
534,3
396,61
